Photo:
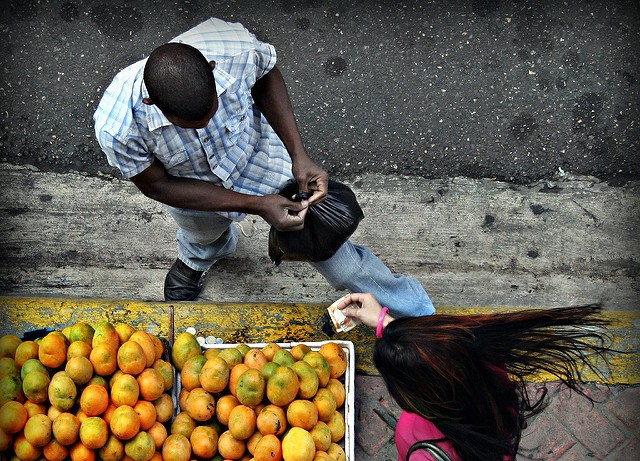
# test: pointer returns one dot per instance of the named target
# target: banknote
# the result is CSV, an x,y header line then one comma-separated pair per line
x,y
340,322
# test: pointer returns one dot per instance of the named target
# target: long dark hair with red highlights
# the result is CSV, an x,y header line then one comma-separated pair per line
x,y
466,373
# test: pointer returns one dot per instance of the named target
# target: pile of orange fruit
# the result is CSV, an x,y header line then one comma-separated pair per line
x,y
258,404
85,393
106,392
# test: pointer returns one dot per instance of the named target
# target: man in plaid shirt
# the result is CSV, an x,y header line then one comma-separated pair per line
x,y
205,126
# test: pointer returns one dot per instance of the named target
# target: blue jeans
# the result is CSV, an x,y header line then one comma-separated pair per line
x,y
205,237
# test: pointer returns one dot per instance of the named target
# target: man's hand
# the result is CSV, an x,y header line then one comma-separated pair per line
x,y
310,177
282,213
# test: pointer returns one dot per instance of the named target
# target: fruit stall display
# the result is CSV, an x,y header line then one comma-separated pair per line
x,y
113,392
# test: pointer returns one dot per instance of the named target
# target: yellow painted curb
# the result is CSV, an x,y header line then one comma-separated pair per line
x,y
266,322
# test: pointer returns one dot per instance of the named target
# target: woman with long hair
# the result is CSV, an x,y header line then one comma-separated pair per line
x,y
460,379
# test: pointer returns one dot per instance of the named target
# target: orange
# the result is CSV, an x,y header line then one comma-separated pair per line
x,y
214,375
338,390
298,445
243,348
26,350
200,404
242,422
11,389
308,379
35,386
336,452
78,349
234,375
6,440
52,350
233,356
255,358
9,367
251,387
13,417
148,346
164,408
204,442
210,353
317,361
337,425
8,345
268,369
253,441
146,412
159,346
141,447
230,447
299,351
79,369
105,332
104,359
321,434
38,431
176,448
183,424
65,428
302,413
151,384
125,391
29,366
108,413
24,450
131,358
337,358
114,377
80,452
325,402
113,450
166,370
82,416
182,399
159,434
94,400
35,408
94,432
268,448
270,349
224,405
190,373
272,420
55,451
81,332
283,357
124,331
282,386
323,456
184,347
125,422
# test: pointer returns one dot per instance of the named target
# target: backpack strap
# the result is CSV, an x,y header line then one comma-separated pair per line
x,y
430,447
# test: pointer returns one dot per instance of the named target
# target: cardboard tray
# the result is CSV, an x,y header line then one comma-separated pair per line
x,y
348,380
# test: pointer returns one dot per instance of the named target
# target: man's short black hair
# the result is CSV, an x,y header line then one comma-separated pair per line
x,y
180,81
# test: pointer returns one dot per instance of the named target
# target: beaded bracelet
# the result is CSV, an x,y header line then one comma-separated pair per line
x,y
383,313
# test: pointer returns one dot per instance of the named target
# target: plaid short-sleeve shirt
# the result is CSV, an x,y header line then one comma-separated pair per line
x,y
237,150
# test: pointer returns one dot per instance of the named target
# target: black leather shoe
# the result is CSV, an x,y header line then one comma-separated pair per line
x,y
183,283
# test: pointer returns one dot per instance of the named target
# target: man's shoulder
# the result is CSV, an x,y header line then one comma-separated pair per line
x,y
218,39
215,28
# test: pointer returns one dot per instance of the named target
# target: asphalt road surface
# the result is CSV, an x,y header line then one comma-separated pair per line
x,y
513,90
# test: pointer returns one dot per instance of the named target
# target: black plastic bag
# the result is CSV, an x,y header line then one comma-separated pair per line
x,y
327,226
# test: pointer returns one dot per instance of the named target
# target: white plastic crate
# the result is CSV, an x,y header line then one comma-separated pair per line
x,y
348,380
